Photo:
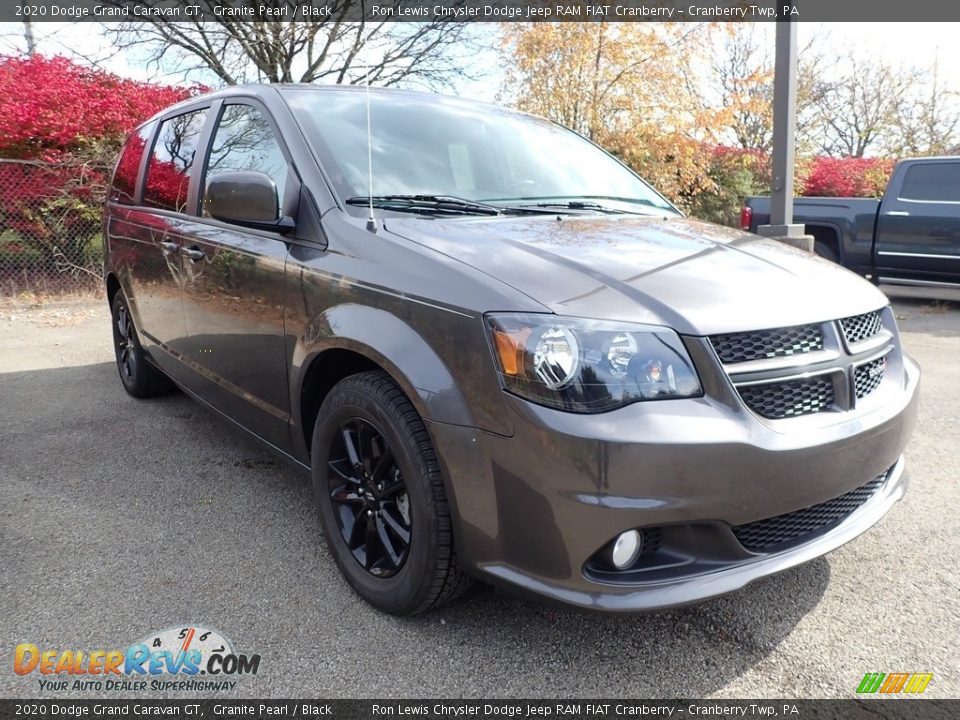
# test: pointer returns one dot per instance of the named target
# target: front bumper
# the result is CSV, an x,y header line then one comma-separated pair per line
x,y
531,510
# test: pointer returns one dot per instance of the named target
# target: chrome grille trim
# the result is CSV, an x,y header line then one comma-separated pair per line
x,y
786,363
879,340
792,377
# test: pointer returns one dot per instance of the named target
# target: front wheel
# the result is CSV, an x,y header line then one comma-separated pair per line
x,y
382,502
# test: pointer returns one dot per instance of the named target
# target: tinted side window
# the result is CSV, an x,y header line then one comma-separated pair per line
x,y
937,182
244,140
168,172
125,176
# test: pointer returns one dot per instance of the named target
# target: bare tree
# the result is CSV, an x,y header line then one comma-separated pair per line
x,y
743,75
337,48
742,86
928,123
859,110
28,37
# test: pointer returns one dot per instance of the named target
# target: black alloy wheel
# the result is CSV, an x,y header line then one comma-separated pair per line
x,y
138,376
370,498
381,497
126,351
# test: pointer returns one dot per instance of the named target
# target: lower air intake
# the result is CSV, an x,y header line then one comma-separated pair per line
x,y
778,532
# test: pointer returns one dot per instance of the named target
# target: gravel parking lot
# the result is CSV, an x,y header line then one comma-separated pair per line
x,y
119,517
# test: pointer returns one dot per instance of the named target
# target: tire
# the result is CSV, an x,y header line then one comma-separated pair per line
x,y
826,252
389,485
139,378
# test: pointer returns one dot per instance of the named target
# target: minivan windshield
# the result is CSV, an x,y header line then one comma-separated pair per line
x,y
443,147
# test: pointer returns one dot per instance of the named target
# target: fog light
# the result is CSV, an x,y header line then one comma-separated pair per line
x,y
625,549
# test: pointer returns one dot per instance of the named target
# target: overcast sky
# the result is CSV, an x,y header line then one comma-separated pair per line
x,y
916,44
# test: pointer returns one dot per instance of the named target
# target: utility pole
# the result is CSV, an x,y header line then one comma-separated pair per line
x,y
781,224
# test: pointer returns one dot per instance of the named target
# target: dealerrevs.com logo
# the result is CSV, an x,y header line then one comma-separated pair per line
x,y
184,658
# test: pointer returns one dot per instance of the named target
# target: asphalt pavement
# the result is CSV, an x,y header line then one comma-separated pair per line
x,y
119,518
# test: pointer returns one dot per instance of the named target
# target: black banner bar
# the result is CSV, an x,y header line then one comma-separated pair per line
x,y
477,10
852,709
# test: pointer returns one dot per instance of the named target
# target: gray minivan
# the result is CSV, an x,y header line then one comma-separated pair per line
x,y
500,353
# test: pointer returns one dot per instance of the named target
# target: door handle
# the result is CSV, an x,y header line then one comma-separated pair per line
x,y
169,248
194,253
897,213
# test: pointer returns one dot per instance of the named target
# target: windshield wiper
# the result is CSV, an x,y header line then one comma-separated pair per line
x,y
444,205
438,204
586,202
588,205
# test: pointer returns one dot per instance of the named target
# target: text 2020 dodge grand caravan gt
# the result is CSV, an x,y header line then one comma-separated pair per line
x,y
511,359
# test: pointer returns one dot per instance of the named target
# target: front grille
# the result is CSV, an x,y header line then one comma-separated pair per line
x,y
776,532
791,398
867,377
760,364
861,327
763,344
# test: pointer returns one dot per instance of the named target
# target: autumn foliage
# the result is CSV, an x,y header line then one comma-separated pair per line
x,y
610,82
65,123
52,106
624,86
737,173
848,177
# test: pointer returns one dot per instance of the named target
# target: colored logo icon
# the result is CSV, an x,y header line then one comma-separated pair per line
x,y
889,683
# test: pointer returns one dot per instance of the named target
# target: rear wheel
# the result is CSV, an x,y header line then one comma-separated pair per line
x,y
139,377
381,498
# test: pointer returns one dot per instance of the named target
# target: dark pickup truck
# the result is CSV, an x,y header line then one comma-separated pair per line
x,y
911,236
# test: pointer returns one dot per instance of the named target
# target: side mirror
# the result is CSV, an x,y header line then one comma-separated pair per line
x,y
246,198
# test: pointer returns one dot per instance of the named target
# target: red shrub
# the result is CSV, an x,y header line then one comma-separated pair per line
x,y
71,120
848,177
52,106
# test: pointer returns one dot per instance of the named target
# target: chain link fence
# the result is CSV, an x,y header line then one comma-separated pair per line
x,y
50,239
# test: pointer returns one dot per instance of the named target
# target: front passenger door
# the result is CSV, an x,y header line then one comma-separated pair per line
x,y
233,292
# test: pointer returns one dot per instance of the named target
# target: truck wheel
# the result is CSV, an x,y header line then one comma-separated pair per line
x,y
140,379
382,504
826,252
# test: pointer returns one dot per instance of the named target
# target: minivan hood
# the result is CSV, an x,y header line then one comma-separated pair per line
x,y
692,276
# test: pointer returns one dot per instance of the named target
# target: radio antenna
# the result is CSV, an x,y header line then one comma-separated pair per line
x,y
371,220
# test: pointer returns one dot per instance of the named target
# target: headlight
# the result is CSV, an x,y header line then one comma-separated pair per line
x,y
589,366
556,358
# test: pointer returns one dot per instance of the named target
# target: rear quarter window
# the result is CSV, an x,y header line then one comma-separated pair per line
x,y
128,166
171,161
933,182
